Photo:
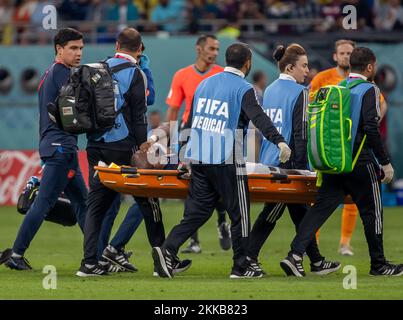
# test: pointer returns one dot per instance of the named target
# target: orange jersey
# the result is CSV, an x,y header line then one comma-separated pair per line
x,y
184,85
325,78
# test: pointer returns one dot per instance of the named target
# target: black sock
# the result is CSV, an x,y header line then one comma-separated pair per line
x,y
195,237
221,217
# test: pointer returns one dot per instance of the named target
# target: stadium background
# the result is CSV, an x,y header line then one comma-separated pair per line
x,y
170,28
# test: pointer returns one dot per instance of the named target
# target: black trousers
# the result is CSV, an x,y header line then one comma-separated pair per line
x,y
100,199
221,216
266,221
363,184
208,185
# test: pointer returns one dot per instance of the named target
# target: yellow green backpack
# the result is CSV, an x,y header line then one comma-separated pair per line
x,y
330,129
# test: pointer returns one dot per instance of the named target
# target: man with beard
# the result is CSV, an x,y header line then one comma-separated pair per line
x,y
183,87
116,146
333,76
222,107
363,183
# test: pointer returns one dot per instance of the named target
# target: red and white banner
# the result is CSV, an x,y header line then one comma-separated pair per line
x,y
16,166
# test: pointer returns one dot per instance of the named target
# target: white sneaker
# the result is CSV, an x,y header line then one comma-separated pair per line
x,y
346,250
193,247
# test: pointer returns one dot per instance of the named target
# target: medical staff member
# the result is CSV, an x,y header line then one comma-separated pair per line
x,y
222,104
363,183
285,101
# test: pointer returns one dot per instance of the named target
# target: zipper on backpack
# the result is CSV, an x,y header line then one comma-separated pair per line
x,y
343,155
322,144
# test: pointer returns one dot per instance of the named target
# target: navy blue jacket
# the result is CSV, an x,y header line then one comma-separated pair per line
x,y
51,137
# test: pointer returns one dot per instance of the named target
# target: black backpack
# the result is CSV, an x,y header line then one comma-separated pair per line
x,y
62,213
86,104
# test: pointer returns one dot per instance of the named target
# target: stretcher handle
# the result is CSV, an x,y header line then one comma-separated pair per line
x,y
133,170
128,170
268,176
279,176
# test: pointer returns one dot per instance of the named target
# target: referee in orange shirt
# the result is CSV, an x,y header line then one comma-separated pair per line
x,y
183,87
333,76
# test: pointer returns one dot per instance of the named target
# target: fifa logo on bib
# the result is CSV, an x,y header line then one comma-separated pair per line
x,y
276,116
213,113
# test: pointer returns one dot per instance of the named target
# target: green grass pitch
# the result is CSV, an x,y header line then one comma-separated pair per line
x,y
208,278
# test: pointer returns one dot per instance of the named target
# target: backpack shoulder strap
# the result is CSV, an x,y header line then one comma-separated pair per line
x,y
128,93
359,150
343,83
122,66
351,85
354,83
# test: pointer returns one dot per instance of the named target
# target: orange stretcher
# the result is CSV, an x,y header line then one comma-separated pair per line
x,y
287,186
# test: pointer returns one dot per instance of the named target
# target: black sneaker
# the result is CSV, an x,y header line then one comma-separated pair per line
x,y
193,247
292,265
94,271
17,263
224,235
256,265
118,258
325,267
127,254
5,255
163,262
109,266
180,266
387,269
248,272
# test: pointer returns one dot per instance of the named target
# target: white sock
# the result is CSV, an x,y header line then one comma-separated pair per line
x,y
110,248
17,256
296,257
317,264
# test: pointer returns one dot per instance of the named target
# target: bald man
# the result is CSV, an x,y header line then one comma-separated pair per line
x,y
117,146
